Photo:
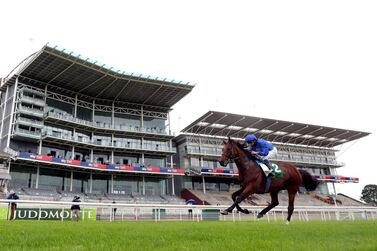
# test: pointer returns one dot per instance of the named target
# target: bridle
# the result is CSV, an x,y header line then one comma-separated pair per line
x,y
229,157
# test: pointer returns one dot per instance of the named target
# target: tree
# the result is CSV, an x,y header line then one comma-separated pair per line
x,y
369,194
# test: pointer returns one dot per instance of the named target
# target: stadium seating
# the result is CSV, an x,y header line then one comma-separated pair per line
x,y
119,198
224,198
173,199
38,194
348,201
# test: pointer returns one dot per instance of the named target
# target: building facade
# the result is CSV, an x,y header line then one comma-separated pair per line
x,y
80,126
308,147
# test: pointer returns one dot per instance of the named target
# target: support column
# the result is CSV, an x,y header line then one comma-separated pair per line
x,y
37,178
172,185
113,116
169,123
112,151
333,186
40,147
171,162
4,109
90,182
143,185
112,184
93,112
73,152
337,216
71,185
91,155
204,184
75,111
12,112
142,118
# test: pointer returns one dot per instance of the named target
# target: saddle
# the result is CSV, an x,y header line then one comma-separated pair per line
x,y
266,171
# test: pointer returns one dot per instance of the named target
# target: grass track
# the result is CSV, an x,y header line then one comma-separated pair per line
x,y
300,236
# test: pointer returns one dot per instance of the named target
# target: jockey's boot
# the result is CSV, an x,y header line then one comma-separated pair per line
x,y
267,163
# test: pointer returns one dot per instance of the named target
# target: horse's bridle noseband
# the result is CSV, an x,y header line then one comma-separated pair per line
x,y
229,158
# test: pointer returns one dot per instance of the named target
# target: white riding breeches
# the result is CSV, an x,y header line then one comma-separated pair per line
x,y
271,154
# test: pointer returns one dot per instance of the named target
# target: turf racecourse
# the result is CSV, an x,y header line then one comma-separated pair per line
x,y
301,236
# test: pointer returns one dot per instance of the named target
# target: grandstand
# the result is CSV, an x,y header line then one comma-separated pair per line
x,y
76,126
309,147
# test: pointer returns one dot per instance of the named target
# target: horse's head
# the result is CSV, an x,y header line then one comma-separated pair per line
x,y
231,151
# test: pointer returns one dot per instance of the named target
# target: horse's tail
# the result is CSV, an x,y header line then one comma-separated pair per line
x,y
308,181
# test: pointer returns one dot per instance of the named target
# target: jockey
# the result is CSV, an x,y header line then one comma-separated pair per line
x,y
262,149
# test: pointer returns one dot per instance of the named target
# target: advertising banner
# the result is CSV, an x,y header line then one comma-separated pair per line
x,y
51,214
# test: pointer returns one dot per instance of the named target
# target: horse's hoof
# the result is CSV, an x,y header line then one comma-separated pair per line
x,y
287,223
224,212
245,211
259,216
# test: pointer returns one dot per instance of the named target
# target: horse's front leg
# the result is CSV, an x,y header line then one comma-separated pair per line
x,y
247,191
234,196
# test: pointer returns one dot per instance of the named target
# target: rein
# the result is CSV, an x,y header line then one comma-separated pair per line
x,y
231,158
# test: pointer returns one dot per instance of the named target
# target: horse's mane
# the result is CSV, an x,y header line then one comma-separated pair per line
x,y
247,153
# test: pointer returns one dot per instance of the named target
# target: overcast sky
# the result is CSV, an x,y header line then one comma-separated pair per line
x,y
313,62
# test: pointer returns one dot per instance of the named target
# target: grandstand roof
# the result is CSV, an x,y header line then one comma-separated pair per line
x,y
60,68
238,126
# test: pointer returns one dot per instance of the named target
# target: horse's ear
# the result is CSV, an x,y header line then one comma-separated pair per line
x,y
224,142
229,139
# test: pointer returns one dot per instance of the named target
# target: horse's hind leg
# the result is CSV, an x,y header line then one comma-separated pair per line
x,y
291,196
250,189
274,203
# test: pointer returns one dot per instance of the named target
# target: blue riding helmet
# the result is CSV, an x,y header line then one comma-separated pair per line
x,y
250,138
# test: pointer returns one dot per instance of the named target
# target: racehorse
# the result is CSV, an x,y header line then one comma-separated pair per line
x,y
252,179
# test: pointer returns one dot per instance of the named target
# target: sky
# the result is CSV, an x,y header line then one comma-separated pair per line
x,y
312,62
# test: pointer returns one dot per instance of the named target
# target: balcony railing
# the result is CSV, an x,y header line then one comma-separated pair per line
x,y
30,111
119,144
27,133
103,125
318,160
216,152
30,122
33,101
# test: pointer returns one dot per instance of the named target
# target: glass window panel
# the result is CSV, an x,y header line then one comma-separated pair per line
x,y
84,113
22,177
54,179
100,183
61,107
80,182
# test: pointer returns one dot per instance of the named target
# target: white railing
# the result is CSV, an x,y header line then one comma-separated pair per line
x,y
102,125
160,212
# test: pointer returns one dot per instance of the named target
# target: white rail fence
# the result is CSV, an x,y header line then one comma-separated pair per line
x,y
58,210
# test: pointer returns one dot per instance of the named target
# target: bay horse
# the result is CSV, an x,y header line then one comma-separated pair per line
x,y
252,179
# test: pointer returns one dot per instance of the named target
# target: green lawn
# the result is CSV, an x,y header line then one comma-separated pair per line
x,y
298,236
